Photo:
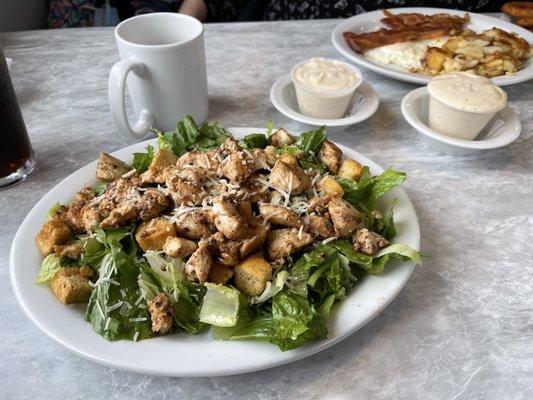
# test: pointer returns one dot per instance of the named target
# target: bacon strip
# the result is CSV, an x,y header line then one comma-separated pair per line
x,y
406,27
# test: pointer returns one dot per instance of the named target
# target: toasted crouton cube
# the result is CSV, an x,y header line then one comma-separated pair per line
x,y
350,169
252,274
53,233
289,159
281,138
70,287
331,186
220,274
179,247
162,159
110,168
153,234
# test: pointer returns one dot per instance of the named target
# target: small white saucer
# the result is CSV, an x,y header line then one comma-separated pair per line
x,y
283,96
503,129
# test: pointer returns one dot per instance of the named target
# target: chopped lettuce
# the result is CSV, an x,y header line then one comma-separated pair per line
x,y
254,141
166,275
49,267
188,136
99,188
53,211
141,161
116,308
365,193
269,128
311,141
272,288
220,306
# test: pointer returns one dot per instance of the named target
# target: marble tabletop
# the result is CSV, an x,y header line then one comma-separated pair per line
x,y
460,329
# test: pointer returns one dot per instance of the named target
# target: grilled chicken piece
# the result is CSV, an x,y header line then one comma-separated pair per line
x,y
289,178
258,236
162,313
228,251
193,225
281,138
110,168
207,160
73,216
230,146
179,247
90,215
330,155
346,219
238,166
283,242
368,242
184,192
154,173
200,263
118,191
71,250
321,227
228,219
125,209
319,204
265,158
279,215
153,202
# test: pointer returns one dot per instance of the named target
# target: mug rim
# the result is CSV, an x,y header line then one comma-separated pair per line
x,y
121,39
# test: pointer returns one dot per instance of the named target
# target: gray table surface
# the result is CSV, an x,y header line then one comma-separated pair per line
x,y
462,327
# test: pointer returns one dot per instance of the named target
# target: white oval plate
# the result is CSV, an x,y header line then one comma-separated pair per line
x,y
370,21
183,355
503,129
363,105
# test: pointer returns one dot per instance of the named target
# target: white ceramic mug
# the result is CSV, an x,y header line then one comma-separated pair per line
x,y
163,62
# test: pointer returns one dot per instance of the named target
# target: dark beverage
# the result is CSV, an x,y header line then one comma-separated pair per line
x,y
16,154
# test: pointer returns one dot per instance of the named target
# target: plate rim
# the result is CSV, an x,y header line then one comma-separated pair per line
x,y
297,354
339,44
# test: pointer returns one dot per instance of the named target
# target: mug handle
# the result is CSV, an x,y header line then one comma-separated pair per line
x,y
117,84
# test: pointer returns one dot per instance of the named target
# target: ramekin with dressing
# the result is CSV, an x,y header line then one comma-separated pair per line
x,y
461,104
324,87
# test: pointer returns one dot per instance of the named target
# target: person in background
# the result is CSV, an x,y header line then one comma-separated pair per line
x,y
272,10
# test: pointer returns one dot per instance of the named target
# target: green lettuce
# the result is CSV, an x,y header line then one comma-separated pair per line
x,y
220,305
254,141
116,308
141,161
99,188
311,141
53,211
49,267
272,288
188,136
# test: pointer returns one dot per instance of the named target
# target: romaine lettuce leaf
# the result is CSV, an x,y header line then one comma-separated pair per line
x,y
49,267
220,306
52,211
116,308
188,136
254,141
141,161
99,188
311,141
271,288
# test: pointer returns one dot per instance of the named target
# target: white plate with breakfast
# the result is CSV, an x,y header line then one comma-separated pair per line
x,y
145,270
415,44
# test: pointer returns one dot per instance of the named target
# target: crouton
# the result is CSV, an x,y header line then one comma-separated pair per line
x,y
69,286
179,247
220,274
53,233
110,168
162,159
350,169
153,234
281,138
331,187
252,274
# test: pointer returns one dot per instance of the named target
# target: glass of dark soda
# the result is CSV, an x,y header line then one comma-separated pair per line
x,y
16,153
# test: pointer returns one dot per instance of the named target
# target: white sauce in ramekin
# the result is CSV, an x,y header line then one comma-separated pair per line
x,y
324,75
